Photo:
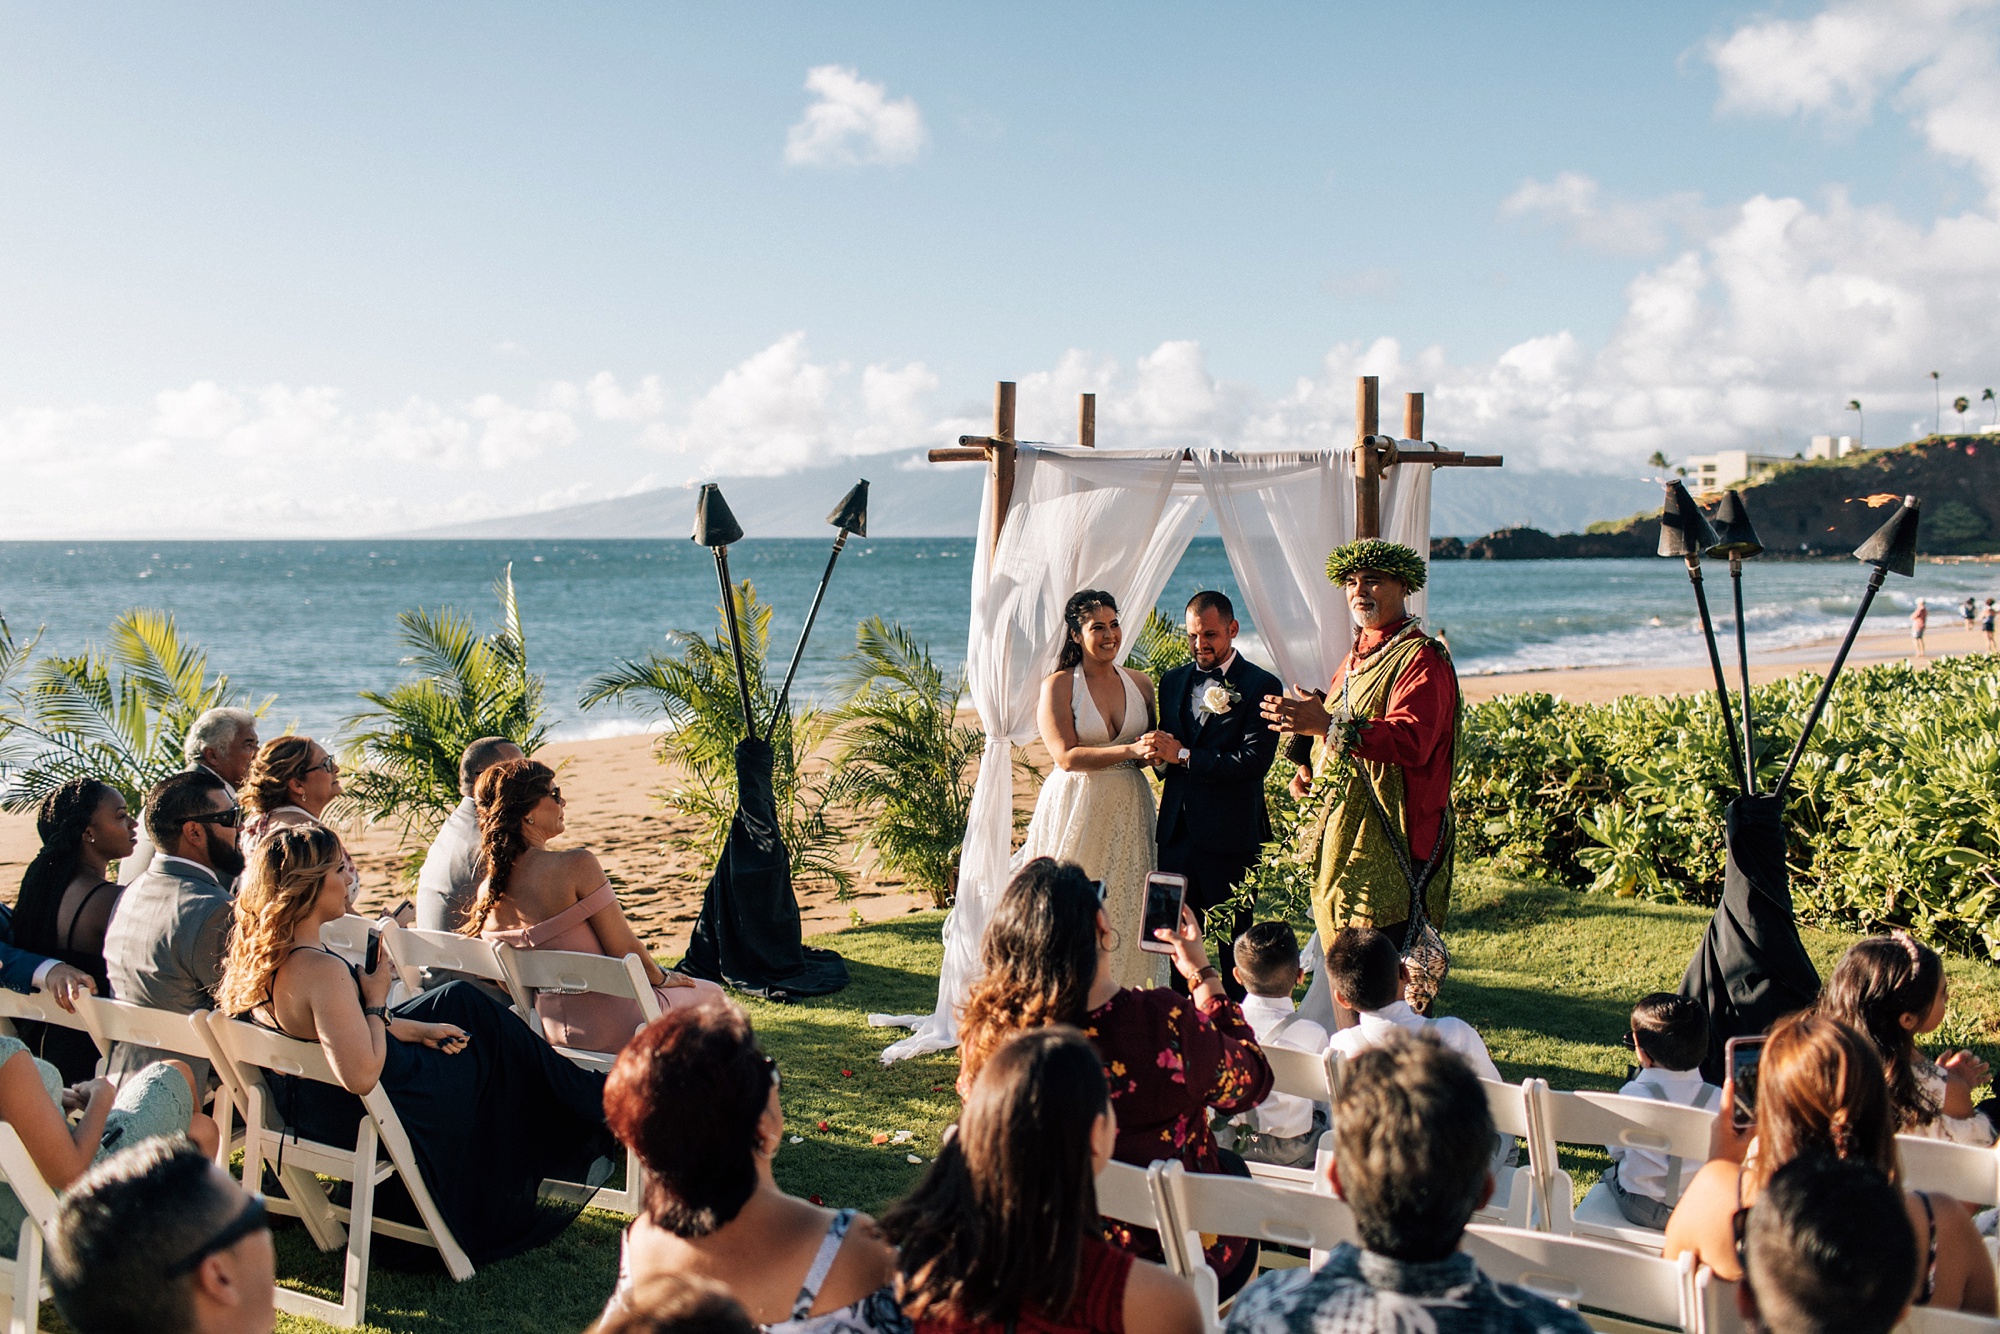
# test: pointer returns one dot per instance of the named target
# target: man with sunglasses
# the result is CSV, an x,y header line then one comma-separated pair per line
x,y
167,936
158,1238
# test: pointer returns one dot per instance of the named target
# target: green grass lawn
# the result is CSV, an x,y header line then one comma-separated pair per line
x,y
1546,975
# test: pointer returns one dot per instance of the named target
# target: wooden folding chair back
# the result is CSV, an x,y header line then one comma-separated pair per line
x,y
39,1007
251,1050
109,1021
26,1287
1966,1172
1924,1320
568,973
1614,1121
1233,1206
1302,1075
413,949
1518,1199
1580,1273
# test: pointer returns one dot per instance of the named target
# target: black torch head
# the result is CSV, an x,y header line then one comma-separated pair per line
x,y
1735,538
714,525
851,514
1684,529
1893,547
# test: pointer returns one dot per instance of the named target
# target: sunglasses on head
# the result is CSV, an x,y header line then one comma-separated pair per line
x,y
254,1218
229,817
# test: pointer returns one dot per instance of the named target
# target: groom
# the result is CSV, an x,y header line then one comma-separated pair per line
x,y
1214,749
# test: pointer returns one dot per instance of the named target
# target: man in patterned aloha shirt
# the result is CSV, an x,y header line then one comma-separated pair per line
x,y
1414,1143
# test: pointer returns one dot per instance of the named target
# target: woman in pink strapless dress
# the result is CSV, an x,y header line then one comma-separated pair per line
x,y
534,898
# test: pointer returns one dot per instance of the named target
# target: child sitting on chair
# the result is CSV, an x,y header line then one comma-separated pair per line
x,y
1284,1128
1366,974
1670,1035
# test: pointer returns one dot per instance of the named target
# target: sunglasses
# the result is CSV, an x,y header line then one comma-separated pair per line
x,y
229,817
555,795
329,764
1101,889
254,1218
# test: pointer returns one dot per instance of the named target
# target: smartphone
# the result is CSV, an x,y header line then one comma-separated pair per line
x,y
374,951
1165,891
1741,1057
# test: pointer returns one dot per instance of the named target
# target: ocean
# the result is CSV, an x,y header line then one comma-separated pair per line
x,y
314,623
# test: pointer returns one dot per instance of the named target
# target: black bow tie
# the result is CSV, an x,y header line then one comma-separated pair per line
x,y
1212,674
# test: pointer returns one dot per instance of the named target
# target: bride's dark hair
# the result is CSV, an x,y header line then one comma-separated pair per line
x,y
1079,606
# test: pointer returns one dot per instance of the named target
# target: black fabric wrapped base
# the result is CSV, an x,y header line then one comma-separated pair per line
x,y
748,936
1751,969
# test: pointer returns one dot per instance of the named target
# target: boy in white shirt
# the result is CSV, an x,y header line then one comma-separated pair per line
x,y
1284,1128
1365,972
1670,1035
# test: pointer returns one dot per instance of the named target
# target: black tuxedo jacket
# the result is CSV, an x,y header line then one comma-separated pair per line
x,y
1216,800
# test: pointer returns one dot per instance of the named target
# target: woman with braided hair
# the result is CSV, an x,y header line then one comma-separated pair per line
x,y
535,897
66,900
1820,1090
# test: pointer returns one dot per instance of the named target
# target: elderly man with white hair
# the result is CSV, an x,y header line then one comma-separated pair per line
x,y
222,741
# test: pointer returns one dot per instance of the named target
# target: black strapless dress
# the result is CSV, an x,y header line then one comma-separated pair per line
x,y
488,1125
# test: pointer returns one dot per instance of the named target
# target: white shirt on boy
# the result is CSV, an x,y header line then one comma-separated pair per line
x,y
1284,1114
1374,1026
1642,1171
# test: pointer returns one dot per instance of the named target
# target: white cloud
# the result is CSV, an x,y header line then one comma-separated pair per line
x,y
853,123
1595,221
513,434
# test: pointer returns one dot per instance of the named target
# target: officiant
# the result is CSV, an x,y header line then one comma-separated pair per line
x,y
1386,744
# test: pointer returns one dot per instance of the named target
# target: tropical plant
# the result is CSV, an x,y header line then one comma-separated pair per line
x,y
693,689
118,715
905,761
1161,647
405,748
1657,459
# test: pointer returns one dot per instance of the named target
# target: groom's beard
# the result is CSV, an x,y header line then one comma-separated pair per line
x,y
224,858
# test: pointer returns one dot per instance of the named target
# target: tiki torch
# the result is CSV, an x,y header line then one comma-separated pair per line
x,y
1893,547
1685,532
849,516
715,528
1737,540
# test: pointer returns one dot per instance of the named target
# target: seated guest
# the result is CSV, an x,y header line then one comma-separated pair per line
x,y
537,899
1820,1089
1284,1128
26,973
1827,1250
491,1109
449,880
158,1238
698,1102
1670,1037
1048,955
222,742
1889,989
1411,1139
672,1304
1002,1233
165,944
158,1100
66,901
1366,973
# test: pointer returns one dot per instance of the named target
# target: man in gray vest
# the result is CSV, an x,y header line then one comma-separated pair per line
x,y
222,741
168,934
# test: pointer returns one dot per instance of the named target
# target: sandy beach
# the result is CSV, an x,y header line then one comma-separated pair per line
x,y
613,787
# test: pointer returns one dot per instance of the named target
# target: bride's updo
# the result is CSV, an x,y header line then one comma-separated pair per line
x,y
1079,606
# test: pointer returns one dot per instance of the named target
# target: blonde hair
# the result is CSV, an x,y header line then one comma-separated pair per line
x,y
280,887
278,765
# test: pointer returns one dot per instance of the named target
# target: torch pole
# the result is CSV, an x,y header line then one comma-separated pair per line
x,y
812,614
1715,665
1743,663
1826,686
735,639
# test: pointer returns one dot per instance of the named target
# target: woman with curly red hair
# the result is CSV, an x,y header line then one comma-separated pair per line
x,y
537,898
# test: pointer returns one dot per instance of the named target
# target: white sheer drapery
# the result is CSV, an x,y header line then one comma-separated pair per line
x,y
1120,521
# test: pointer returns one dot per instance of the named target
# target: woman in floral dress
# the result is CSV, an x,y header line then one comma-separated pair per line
x,y
1046,959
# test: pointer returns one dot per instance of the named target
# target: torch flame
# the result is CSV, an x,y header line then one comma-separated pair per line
x,y
1877,501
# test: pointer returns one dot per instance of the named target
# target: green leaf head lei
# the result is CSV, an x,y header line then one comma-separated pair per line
x,y
1373,553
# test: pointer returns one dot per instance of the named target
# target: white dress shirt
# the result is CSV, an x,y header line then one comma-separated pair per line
x,y
1375,1025
1284,1114
1642,1171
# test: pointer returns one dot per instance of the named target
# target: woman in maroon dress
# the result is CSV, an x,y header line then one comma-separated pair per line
x,y
1168,1057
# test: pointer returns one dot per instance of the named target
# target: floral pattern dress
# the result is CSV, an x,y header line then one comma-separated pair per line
x,y
1169,1060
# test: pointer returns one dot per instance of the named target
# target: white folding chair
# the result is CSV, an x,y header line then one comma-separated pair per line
x,y
1518,1199
1617,1288
1231,1206
564,972
413,949
110,1021
1303,1075
1967,1173
1137,1196
39,1007
26,1289
1923,1320
348,937
1614,1121
250,1050
1715,1304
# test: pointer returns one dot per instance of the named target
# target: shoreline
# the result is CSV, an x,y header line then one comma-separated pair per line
x,y
613,784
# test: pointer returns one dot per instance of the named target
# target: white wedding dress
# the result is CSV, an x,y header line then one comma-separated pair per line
x,y
1103,821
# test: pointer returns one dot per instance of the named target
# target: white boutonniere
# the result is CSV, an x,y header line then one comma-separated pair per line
x,y
1218,696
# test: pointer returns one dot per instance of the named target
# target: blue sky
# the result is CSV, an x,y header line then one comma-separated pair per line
x,y
384,264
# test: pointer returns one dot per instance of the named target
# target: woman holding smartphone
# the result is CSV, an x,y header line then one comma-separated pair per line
x,y
1047,956
1820,1089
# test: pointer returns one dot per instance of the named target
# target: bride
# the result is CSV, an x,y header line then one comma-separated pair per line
x,y
1096,809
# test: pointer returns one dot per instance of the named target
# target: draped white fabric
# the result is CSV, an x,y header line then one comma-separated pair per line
x,y
1120,521
1077,520
1406,513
